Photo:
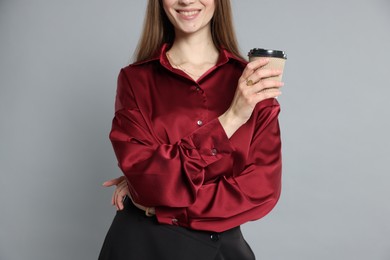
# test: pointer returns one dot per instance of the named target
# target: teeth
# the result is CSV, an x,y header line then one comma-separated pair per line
x,y
189,13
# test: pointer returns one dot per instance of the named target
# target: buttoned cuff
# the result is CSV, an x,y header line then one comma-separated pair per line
x,y
211,142
172,216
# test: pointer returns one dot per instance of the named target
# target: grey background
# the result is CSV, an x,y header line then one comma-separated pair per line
x,y
58,66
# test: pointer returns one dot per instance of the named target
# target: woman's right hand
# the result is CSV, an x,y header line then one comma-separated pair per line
x,y
253,87
121,191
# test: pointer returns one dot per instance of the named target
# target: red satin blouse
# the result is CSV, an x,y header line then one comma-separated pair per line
x,y
175,154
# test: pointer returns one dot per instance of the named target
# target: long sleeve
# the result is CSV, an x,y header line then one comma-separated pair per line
x,y
162,174
249,194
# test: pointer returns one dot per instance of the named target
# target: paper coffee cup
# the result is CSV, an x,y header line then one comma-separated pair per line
x,y
277,59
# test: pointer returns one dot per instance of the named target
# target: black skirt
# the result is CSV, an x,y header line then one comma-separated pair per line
x,y
134,236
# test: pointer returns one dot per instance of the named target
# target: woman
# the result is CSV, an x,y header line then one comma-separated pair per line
x,y
196,135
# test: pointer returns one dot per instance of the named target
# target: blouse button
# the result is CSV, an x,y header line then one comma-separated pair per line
x,y
200,122
214,151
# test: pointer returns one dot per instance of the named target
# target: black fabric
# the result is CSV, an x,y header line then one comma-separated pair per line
x,y
134,236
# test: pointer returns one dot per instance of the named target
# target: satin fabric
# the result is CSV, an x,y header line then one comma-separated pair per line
x,y
175,154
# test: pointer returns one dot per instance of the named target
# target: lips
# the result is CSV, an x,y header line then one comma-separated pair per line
x,y
188,13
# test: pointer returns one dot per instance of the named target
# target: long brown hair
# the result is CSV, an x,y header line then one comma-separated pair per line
x,y
158,30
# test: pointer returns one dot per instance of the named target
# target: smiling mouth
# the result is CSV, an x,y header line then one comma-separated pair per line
x,y
188,13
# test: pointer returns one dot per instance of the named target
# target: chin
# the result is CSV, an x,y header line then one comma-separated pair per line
x,y
191,30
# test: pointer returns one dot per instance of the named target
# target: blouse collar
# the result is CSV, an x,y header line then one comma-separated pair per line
x,y
224,57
